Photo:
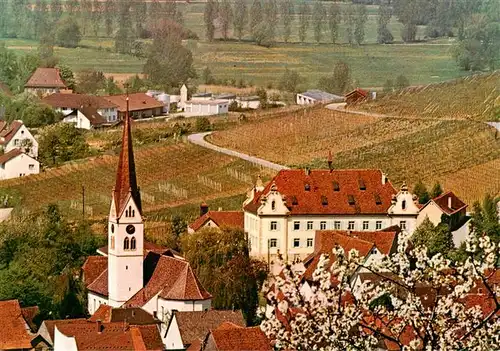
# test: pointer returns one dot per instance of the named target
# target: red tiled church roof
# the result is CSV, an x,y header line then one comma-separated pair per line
x,y
220,218
13,327
93,268
340,192
194,326
45,78
126,179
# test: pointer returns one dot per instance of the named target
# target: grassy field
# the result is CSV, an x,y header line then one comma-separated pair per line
x,y
406,149
170,175
475,97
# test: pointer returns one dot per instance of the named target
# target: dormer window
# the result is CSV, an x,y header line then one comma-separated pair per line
x,y
324,200
273,205
362,185
307,187
295,202
350,200
378,200
403,204
336,186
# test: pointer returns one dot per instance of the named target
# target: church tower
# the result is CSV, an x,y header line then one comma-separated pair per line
x,y
125,227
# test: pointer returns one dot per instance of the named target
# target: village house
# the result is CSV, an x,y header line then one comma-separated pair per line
x,y
70,104
16,163
282,217
140,105
16,136
17,326
162,97
130,276
317,96
187,330
216,219
231,337
446,208
45,81
86,117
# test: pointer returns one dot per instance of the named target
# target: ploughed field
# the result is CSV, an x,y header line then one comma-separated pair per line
x,y
454,152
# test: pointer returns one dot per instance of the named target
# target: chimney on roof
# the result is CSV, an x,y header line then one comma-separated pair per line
x,y
220,209
449,202
155,314
384,178
99,326
307,170
203,209
259,185
330,161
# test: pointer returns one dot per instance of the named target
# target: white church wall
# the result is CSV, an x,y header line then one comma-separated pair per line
x,y
172,338
94,301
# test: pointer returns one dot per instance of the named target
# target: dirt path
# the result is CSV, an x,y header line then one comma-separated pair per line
x,y
199,139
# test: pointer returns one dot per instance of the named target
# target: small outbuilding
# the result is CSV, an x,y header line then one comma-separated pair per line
x,y
355,96
206,107
317,96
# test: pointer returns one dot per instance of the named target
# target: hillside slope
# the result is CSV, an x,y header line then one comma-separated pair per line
x,y
474,97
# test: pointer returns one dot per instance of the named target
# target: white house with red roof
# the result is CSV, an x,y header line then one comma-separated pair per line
x,y
283,216
216,219
130,276
447,206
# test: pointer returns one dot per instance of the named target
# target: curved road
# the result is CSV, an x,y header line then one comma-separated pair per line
x,y
199,139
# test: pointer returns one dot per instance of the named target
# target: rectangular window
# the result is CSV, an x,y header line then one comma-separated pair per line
x,y
322,225
273,242
336,225
309,242
378,225
402,225
310,225
296,242
296,225
274,225
162,313
350,225
16,142
31,167
366,225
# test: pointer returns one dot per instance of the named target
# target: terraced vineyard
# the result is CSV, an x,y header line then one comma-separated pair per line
x,y
406,149
169,175
476,97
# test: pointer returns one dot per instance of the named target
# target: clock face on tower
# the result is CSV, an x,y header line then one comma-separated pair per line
x,y
130,229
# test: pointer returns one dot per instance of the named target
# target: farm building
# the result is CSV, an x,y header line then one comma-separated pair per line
x,y
206,107
86,117
162,97
355,96
45,81
216,219
317,96
252,102
68,103
448,206
140,105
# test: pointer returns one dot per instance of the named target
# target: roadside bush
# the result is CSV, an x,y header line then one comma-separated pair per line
x,y
203,125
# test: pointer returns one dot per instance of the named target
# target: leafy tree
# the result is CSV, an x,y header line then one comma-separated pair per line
x,y
67,76
46,51
263,99
68,33
203,124
96,16
485,218
360,23
480,46
111,87
61,142
334,18
304,14
90,82
40,257
209,16
339,81
40,18
136,84
56,10
384,35
85,14
139,10
271,17
401,82
350,23
240,17
207,77
123,37
109,16
436,190
169,63
437,239
263,35
287,12
408,13
318,19
420,190
289,81
27,108
221,261
256,17
4,18
225,14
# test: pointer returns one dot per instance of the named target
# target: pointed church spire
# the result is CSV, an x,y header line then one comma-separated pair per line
x,y
126,180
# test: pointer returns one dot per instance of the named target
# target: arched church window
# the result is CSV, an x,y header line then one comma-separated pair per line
x,y
112,242
403,204
132,243
133,213
126,244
